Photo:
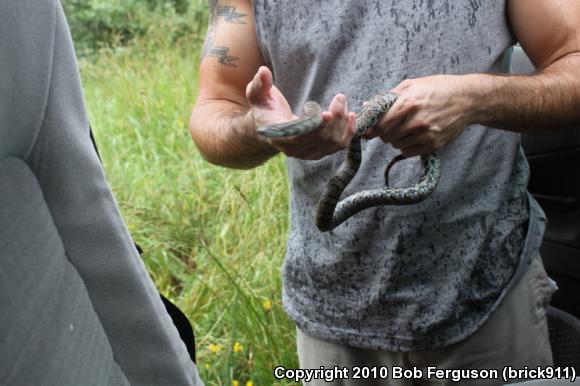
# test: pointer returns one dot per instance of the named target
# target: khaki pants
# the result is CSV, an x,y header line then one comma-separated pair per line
x,y
516,335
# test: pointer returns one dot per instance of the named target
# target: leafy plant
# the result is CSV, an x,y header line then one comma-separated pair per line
x,y
96,24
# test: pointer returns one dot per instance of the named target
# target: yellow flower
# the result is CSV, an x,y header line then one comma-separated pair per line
x,y
267,305
207,365
235,383
214,348
238,347
249,383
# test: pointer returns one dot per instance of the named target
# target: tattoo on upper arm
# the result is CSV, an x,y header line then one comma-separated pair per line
x,y
229,15
221,53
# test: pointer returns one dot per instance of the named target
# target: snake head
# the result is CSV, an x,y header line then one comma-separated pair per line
x,y
309,120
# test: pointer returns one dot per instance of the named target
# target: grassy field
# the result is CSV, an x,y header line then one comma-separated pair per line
x,y
214,238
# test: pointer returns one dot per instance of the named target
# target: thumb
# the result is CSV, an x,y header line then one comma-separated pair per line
x,y
259,88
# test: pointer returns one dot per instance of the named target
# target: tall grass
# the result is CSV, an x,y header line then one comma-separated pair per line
x,y
214,238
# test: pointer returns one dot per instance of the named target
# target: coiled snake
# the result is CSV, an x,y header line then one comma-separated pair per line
x,y
331,211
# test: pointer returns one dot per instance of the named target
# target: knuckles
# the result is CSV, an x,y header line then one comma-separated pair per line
x,y
405,84
327,144
409,104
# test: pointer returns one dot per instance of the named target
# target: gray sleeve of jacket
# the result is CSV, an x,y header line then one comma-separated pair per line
x,y
44,123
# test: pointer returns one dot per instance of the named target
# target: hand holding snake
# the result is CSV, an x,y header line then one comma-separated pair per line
x,y
268,106
331,211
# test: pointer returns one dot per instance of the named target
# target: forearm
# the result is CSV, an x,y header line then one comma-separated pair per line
x,y
540,103
225,134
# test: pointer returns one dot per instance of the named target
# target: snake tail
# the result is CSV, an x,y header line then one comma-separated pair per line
x,y
392,163
333,212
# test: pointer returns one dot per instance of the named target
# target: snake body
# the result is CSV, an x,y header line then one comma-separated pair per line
x,y
331,211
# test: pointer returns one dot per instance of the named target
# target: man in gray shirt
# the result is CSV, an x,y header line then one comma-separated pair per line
x,y
454,281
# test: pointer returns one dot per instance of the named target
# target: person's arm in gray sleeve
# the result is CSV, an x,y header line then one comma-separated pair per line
x,y
144,342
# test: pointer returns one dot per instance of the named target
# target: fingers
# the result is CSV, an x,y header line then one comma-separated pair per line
x,y
410,129
340,115
405,142
338,105
335,122
419,138
340,127
404,129
351,124
416,150
334,134
259,88
391,120
411,143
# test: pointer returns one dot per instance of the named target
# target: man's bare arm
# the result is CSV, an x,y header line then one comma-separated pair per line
x,y
549,33
221,124
433,110
237,94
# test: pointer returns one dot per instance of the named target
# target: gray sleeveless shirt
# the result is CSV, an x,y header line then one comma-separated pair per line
x,y
413,277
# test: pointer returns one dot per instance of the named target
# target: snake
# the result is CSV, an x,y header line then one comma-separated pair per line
x,y
332,211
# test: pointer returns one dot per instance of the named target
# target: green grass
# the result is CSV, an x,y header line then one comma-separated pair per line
x,y
214,238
